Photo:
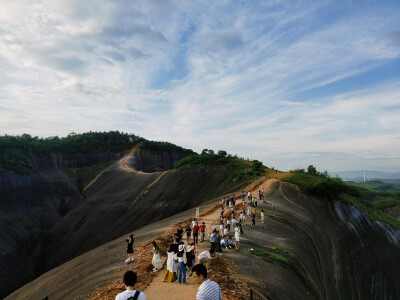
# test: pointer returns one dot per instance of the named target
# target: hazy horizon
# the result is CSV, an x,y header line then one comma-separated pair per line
x,y
290,83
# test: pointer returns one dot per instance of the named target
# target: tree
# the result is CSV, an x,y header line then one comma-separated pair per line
x,y
257,165
222,153
205,151
312,170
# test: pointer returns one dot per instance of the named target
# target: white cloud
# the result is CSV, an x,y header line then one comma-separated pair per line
x,y
231,75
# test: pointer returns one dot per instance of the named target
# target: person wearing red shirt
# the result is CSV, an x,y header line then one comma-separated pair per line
x,y
202,231
196,233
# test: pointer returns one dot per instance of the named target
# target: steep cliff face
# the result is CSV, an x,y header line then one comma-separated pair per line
x,y
36,210
318,249
332,250
30,205
148,160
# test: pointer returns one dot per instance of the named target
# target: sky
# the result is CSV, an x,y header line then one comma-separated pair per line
x,y
289,83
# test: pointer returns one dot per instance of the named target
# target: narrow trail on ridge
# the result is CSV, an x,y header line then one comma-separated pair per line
x,y
167,290
160,290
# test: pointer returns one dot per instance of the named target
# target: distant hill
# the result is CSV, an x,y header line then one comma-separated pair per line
x,y
359,175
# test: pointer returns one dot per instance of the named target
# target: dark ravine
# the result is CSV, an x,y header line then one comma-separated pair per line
x,y
35,210
333,250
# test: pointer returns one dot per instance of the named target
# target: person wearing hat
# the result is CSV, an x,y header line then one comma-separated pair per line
x,y
181,258
190,258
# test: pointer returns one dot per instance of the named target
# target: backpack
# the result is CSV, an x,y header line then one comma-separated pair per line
x,y
134,297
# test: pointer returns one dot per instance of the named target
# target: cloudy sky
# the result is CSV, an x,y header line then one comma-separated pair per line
x,y
290,83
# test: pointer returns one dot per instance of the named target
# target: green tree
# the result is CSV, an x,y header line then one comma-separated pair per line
x,y
222,153
257,165
312,170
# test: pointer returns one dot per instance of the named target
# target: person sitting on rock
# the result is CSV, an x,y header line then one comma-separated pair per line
x,y
223,242
230,243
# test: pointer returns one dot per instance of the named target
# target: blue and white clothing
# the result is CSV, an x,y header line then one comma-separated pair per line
x,y
209,290
212,238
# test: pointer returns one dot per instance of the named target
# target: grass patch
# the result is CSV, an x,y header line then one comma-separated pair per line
x,y
320,184
280,249
382,204
373,214
271,257
238,170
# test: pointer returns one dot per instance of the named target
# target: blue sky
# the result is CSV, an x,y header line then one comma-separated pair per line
x,y
290,83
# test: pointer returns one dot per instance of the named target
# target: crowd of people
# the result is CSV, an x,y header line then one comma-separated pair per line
x,y
181,258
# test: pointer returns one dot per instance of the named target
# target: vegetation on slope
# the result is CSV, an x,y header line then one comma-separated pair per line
x,y
322,185
270,256
16,151
239,169
319,184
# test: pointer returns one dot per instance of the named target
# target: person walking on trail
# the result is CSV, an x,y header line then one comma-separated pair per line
x,y
188,233
202,231
179,233
248,210
241,227
249,196
197,211
170,275
213,239
156,261
129,249
262,216
253,220
243,218
233,222
181,258
255,202
130,279
196,233
218,248
237,237
204,259
208,290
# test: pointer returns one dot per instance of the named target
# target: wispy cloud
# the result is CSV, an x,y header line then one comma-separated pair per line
x,y
286,82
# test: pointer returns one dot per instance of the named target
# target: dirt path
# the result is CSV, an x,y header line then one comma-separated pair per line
x,y
166,290
221,270
158,289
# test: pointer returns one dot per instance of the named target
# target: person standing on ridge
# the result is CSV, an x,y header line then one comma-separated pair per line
x,y
202,231
129,249
156,261
181,258
170,275
188,233
196,233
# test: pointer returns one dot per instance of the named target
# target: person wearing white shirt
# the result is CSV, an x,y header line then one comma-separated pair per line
x,y
130,279
204,258
208,290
